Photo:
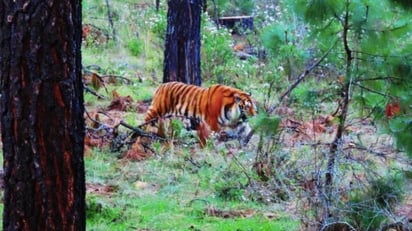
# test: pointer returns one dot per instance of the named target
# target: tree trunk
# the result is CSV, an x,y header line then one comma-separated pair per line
x,y
344,107
182,47
42,110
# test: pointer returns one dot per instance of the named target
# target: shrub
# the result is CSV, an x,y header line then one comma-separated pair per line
x,y
369,209
135,46
231,184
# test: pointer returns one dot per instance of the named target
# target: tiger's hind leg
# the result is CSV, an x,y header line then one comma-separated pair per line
x,y
203,132
201,127
156,126
162,127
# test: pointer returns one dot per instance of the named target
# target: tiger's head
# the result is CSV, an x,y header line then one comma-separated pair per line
x,y
244,106
234,106
237,114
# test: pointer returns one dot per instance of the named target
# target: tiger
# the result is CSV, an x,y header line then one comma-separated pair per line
x,y
218,108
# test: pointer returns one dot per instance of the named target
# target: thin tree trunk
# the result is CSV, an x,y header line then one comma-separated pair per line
x,y
110,19
157,5
182,47
42,110
344,107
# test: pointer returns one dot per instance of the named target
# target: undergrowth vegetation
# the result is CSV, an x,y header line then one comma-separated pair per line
x,y
327,93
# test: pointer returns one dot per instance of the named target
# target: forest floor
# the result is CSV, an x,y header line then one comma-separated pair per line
x,y
275,182
222,182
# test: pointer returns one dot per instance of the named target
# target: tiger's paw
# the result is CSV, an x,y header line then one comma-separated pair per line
x,y
243,133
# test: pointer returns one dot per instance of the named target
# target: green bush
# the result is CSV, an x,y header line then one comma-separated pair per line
x,y
157,22
368,209
135,46
216,53
98,210
231,183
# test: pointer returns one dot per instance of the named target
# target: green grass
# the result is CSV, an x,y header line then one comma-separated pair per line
x,y
168,193
169,212
158,212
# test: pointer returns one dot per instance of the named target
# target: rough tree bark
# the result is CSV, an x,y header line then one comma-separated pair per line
x,y
182,46
42,125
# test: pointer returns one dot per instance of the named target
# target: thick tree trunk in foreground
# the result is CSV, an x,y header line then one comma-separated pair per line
x,y
42,110
182,47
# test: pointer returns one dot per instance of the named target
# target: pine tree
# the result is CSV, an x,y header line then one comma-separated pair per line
x,y
373,53
42,124
368,43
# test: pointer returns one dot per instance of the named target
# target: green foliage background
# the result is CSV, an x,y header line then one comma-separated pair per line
x,y
289,37
380,43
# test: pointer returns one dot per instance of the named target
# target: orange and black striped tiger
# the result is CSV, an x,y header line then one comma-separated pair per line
x,y
221,108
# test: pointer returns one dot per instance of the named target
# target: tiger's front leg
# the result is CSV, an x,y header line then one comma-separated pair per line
x,y
242,132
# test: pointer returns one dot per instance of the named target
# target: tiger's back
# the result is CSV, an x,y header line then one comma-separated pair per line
x,y
176,98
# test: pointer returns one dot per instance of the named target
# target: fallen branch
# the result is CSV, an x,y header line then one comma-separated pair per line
x,y
139,132
396,226
340,225
94,92
128,81
167,117
92,67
